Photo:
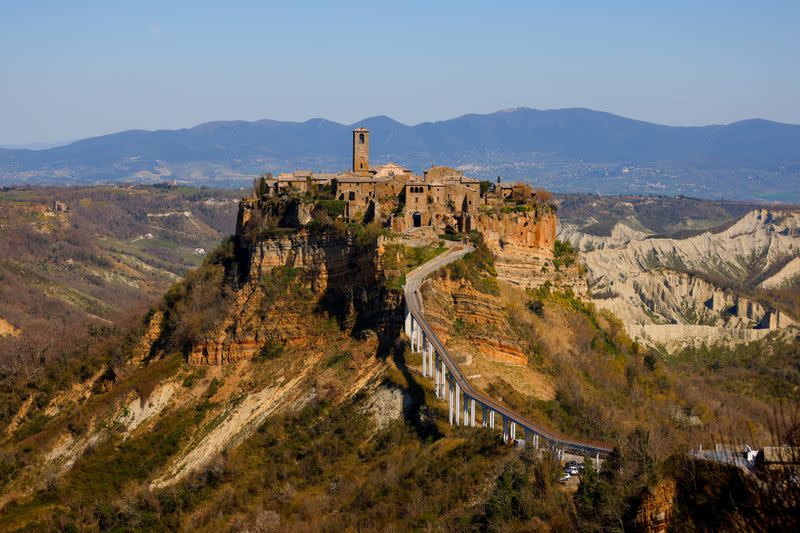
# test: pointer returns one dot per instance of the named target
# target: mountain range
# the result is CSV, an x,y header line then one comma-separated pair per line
x,y
567,150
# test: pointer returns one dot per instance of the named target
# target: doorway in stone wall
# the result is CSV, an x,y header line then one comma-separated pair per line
x,y
417,217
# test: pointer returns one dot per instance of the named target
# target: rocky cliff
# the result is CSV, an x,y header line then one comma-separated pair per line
x,y
340,278
522,244
656,509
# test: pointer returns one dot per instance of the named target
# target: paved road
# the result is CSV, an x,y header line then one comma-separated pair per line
x,y
414,281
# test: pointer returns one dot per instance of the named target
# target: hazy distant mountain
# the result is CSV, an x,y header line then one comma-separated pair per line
x,y
564,149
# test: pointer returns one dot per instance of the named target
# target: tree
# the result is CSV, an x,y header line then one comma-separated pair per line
x,y
261,185
521,193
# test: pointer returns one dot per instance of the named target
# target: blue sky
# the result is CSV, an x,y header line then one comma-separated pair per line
x,y
78,68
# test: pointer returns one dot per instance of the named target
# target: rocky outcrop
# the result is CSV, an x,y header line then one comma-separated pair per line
x,y
482,318
673,337
621,236
7,329
343,280
655,511
522,244
664,296
151,335
787,276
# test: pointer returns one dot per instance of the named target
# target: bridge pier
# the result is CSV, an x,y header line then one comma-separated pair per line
x,y
450,399
484,420
472,412
436,377
443,373
505,429
491,418
407,322
431,356
513,429
424,355
413,332
458,404
465,409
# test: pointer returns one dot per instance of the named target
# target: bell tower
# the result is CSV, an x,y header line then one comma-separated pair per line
x,y
361,150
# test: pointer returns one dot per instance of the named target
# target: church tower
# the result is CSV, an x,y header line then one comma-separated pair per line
x,y
361,150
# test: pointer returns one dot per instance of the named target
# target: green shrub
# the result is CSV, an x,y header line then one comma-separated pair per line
x,y
564,255
334,208
477,267
223,254
536,307
213,387
366,237
35,424
270,350
195,306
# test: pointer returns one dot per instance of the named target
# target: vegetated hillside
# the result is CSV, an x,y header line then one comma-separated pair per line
x,y
563,149
111,253
317,420
666,216
325,429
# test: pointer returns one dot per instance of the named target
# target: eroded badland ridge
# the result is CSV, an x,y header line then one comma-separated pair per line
x,y
707,288
275,387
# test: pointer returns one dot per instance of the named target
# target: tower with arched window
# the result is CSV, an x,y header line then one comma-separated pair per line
x,y
361,150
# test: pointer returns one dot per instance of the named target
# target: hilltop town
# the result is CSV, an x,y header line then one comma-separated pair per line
x,y
443,199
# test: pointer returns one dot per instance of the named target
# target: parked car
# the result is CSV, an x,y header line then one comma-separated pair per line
x,y
564,478
572,471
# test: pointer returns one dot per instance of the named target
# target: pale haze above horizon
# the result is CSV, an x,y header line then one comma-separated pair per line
x,y
78,69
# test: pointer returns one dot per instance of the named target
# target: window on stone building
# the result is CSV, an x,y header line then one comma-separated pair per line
x,y
352,195
361,138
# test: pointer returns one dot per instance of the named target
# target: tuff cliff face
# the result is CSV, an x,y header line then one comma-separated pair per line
x,y
340,278
655,512
346,279
522,244
492,339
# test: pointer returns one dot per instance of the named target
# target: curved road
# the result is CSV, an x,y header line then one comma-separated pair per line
x,y
413,297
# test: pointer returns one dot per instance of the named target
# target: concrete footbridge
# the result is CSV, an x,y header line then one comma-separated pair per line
x,y
468,406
